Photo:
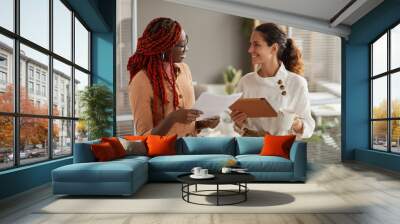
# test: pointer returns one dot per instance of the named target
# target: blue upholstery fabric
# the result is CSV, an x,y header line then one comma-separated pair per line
x,y
83,152
298,155
249,145
257,163
120,177
206,145
184,163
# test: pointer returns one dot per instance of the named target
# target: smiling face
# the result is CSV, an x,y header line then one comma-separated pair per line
x,y
178,52
259,50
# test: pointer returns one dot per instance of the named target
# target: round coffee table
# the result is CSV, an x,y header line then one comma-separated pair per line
x,y
238,179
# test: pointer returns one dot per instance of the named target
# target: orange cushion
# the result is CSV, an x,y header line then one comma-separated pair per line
x,y
135,137
277,145
103,151
161,145
116,145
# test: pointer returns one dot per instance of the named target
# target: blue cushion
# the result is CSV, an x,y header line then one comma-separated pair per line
x,y
257,163
249,145
111,171
83,153
206,145
185,163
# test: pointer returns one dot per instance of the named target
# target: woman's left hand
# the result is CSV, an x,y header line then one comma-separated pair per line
x,y
297,126
211,122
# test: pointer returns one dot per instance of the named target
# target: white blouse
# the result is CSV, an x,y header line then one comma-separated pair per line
x,y
295,103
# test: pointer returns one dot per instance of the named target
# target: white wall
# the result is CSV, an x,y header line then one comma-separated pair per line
x,y
215,40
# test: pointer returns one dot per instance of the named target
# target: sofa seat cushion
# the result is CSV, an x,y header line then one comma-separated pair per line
x,y
185,163
257,163
112,171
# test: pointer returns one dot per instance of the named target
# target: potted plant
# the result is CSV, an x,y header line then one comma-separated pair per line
x,y
96,102
231,78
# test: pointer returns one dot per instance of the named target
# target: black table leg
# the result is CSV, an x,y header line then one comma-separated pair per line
x,y
217,194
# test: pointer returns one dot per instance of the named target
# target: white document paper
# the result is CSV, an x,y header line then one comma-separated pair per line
x,y
213,105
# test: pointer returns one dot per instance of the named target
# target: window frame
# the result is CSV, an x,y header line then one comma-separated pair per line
x,y
16,114
388,74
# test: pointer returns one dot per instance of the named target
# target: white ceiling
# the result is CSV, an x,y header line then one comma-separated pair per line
x,y
314,15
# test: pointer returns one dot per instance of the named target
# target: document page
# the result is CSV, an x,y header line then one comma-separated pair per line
x,y
213,105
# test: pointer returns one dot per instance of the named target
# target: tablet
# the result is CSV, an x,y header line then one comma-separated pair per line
x,y
254,107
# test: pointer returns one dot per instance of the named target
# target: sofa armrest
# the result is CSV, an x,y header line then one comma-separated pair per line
x,y
298,155
83,152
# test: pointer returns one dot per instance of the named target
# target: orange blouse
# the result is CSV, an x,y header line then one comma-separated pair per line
x,y
141,95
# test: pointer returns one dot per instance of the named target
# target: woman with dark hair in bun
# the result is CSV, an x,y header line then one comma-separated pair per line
x,y
279,80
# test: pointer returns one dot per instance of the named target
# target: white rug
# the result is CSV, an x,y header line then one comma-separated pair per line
x,y
166,198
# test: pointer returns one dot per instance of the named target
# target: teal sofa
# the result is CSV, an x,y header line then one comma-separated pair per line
x,y
125,176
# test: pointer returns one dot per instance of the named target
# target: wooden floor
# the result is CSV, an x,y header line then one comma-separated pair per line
x,y
379,189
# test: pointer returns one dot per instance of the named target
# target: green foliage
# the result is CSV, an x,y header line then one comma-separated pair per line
x,y
96,102
231,78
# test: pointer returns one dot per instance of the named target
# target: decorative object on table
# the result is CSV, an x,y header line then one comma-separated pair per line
x,y
96,102
231,78
200,173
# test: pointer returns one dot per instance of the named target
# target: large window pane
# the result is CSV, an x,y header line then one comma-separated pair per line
x,y
62,29
35,21
379,135
379,56
7,14
395,94
34,72
33,139
395,47
62,89
395,138
6,142
81,81
81,45
62,138
379,97
6,74
81,131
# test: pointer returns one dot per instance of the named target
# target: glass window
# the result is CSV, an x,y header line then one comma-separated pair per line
x,y
6,73
379,98
81,45
30,87
40,62
6,142
62,72
7,14
62,29
395,138
395,47
34,79
81,81
395,95
379,56
35,21
34,144
62,138
379,133
383,138
81,131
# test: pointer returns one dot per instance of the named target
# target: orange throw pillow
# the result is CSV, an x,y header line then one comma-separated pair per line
x,y
277,145
116,145
103,152
135,137
161,145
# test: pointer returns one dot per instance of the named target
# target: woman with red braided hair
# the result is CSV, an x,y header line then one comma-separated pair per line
x,y
160,87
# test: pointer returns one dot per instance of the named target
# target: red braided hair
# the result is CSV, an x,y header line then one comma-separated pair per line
x,y
153,48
